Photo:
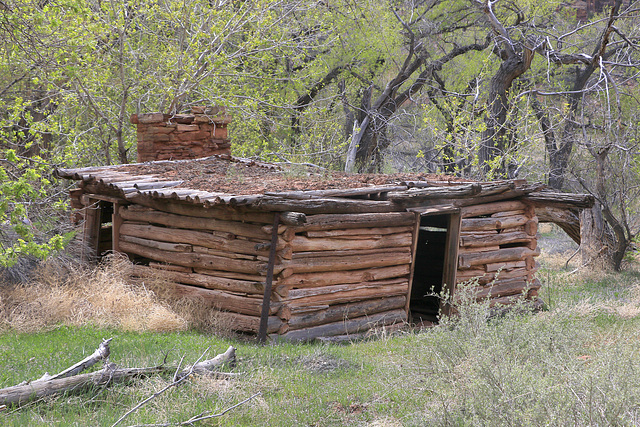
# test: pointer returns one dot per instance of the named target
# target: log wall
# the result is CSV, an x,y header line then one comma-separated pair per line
x,y
336,274
498,246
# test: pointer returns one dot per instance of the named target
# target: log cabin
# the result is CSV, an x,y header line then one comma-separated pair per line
x,y
301,255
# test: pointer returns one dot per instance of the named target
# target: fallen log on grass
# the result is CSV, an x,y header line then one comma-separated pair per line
x,y
74,382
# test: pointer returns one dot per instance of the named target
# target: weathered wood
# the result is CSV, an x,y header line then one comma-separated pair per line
x,y
244,323
338,253
23,393
305,244
91,229
343,277
172,247
268,286
190,259
324,205
414,250
222,242
335,313
485,278
531,226
467,250
368,220
222,300
337,294
222,213
292,218
347,262
348,326
505,265
508,254
203,280
348,192
225,254
506,287
505,238
230,274
483,224
351,233
449,192
565,218
451,255
562,200
508,213
170,267
491,208
194,223
159,184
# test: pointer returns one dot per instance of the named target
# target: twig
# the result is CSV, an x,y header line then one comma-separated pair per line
x,y
158,393
201,417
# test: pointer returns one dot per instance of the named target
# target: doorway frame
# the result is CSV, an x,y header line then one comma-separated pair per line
x,y
454,219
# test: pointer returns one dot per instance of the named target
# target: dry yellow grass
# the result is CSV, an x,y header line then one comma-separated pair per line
x,y
103,296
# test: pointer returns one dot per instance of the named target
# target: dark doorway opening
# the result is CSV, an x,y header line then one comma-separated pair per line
x,y
434,266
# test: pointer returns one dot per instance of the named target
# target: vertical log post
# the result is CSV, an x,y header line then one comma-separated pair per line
x,y
91,229
451,260
116,222
266,300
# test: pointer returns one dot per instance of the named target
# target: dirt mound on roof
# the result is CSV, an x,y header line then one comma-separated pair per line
x,y
239,176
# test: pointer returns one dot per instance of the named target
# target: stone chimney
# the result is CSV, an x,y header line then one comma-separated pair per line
x,y
182,136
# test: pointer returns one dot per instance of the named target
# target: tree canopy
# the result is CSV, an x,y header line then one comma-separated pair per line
x,y
477,88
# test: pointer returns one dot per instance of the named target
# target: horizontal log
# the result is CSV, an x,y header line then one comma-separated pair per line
x,y
495,239
221,300
491,208
244,323
506,265
483,224
205,281
230,274
338,192
339,312
336,294
225,213
448,192
226,254
468,250
350,233
501,288
365,220
190,259
194,223
347,262
173,247
508,213
508,254
324,205
343,277
349,326
565,200
484,278
160,266
316,254
305,244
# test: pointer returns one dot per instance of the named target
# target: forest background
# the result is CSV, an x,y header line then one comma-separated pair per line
x,y
475,88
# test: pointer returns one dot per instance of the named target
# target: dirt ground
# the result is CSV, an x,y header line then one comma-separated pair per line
x,y
224,175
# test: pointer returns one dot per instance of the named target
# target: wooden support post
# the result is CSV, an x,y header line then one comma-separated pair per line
x,y
451,259
266,300
116,222
414,249
91,228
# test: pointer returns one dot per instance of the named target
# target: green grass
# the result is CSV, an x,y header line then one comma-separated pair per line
x,y
577,363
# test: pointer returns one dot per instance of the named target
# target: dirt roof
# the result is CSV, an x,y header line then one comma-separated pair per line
x,y
223,174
